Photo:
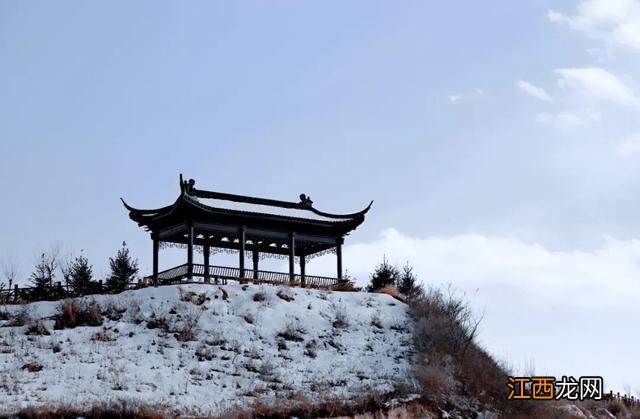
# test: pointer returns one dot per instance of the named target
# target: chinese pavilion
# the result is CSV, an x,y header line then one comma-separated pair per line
x,y
252,227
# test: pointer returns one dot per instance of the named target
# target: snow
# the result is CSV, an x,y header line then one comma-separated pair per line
x,y
266,209
238,361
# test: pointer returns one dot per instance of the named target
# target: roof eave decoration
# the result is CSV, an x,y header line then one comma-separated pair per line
x,y
189,195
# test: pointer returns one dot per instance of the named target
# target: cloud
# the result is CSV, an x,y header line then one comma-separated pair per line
x,y
458,97
630,146
564,309
565,118
535,91
597,83
615,21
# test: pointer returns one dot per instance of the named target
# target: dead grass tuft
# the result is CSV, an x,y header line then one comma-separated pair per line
x,y
392,291
32,367
259,296
192,297
73,313
285,295
37,328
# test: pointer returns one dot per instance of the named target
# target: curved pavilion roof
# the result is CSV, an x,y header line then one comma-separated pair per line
x,y
201,206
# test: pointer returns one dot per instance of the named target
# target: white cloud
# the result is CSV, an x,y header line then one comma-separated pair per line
x,y
616,21
564,118
597,83
535,91
564,309
458,97
630,146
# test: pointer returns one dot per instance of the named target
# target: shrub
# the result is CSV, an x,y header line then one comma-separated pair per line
x,y
293,332
259,296
375,321
341,320
285,295
38,328
192,297
310,348
103,336
158,322
449,358
189,323
22,317
73,313
345,286
32,367
113,312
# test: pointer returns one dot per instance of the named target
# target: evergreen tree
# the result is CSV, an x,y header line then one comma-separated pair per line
x,y
80,275
384,275
408,283
123,269
41,278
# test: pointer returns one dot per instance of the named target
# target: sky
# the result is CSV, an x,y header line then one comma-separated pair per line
x,y
500,142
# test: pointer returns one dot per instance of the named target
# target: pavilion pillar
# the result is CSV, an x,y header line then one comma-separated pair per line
x,y
156,251
190,251
256,259
292,256
339,243
242,242
303,274
206,252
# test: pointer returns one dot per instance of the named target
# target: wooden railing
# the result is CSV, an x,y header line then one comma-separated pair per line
x,y
180,272
56,291
177,274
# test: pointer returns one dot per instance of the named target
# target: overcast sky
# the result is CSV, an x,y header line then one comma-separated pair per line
x,y
499,140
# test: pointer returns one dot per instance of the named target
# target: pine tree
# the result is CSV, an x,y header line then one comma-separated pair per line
x,y
408,283
80,275
41,278
123,269
384,275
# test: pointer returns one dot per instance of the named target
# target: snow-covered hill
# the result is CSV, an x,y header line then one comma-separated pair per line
x,y
249,342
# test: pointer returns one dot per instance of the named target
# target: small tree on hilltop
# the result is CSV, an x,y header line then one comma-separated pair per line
x,y
383,276
408,283
41,278
123,269
80,275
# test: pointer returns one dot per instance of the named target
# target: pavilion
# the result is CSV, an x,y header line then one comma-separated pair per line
x,y
251,227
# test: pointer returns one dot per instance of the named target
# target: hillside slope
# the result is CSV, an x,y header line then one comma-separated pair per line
x,y
203,349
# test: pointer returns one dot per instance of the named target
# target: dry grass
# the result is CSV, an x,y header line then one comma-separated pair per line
x,y
113,312
345,286
103,336
117,410
451,362
298,405
392,291
192,297
73,313
21,318
293,332
259,296
190,320
32,367
37,328
285,295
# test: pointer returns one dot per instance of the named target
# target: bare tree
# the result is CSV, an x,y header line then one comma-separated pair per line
x,y
51,259
10,271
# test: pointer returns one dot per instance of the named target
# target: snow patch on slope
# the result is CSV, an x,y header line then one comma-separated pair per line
x,y
318,344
